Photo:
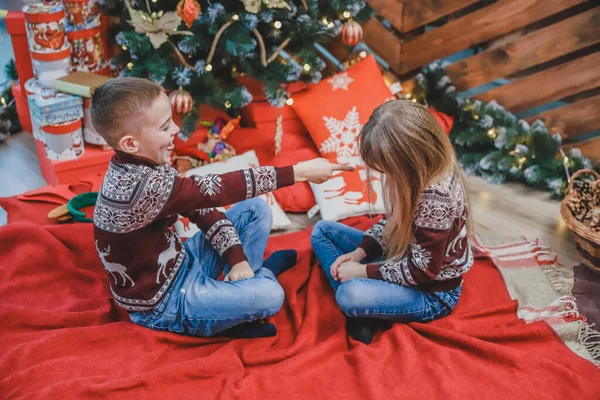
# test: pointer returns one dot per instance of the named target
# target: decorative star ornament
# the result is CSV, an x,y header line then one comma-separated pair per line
x,y
340,81
157,26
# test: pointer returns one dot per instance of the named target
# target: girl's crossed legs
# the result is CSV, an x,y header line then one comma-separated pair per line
x,y
373,298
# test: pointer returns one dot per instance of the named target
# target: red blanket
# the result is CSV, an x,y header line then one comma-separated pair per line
x,y
61,336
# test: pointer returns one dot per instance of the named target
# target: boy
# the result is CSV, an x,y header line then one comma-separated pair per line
x,y
164,284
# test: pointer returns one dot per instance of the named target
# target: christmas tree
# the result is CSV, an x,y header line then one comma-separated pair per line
x,y
204,47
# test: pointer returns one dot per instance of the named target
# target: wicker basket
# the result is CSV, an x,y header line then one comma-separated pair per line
x,y
588,241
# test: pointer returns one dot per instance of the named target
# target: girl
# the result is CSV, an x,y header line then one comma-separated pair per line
x,y
409,266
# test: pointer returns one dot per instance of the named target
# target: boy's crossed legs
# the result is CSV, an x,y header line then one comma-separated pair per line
x,y
198,304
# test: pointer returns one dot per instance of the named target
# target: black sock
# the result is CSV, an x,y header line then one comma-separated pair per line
x,y
280,261
380,324
359,329
247,330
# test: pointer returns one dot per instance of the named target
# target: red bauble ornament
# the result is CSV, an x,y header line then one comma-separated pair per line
x,y
352,33
181,101
188,11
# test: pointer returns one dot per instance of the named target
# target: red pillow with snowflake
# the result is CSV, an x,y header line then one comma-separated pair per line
x,y
334,111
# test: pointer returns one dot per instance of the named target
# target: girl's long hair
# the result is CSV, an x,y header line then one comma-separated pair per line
x,y
403,141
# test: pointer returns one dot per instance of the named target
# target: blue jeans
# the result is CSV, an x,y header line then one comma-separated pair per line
x,y
200,305
362,297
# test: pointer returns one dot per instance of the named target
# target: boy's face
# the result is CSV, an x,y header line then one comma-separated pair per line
x,y
156,131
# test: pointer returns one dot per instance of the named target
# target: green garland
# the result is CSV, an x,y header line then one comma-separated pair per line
x,y
8,108
492,143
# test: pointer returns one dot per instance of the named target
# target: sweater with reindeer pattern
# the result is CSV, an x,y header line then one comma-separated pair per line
x,y
440,252
140,200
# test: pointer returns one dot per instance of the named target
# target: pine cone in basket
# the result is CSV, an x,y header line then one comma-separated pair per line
x,y
586,192
595,223
596,192
578,207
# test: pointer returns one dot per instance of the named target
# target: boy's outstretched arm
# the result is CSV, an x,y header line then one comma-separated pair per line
x,y
209,191
218,230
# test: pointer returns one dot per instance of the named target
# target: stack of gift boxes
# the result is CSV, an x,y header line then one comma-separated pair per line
x,y
63,38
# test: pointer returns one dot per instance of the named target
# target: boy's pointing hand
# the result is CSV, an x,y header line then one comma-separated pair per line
x,y
318,170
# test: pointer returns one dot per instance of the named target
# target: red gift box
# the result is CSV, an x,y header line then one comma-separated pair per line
x,y
87,50
95,160
22,108
15,25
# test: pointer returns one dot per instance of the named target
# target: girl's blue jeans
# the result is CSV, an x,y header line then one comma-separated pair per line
x,y
363,297
200,305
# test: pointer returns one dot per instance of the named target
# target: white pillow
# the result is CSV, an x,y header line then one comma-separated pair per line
x,y
185,229
347,194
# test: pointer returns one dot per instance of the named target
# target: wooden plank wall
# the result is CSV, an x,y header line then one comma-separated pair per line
x,y
547,50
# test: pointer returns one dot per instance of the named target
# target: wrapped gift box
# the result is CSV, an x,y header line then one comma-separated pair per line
x,y
56,108
45,24
22,108
63,142
15,25
47,67
95,160
87,50
82,14
33,86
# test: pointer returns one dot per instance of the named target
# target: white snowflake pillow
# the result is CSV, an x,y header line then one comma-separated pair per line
x,y
334,111
347,194
186,229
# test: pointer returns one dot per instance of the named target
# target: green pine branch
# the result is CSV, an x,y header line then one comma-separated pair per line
x,y
492,143
8,107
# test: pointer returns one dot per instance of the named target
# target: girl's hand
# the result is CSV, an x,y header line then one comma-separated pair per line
x,y
239,271
350,270
357,255
318,170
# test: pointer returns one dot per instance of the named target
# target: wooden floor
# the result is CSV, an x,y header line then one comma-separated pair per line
x,y
19,167
507,210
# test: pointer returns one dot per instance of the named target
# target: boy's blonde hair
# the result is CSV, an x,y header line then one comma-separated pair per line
x,y
404,141
117,102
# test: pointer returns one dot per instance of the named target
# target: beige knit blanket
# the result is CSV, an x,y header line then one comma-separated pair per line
x,y
542,287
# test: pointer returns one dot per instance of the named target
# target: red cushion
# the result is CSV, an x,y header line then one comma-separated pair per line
x,y
361,86
258,112
446,121
299,197
296,146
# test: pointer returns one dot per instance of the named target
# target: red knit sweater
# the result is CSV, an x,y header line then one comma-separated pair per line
x,y
440,252
139,201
